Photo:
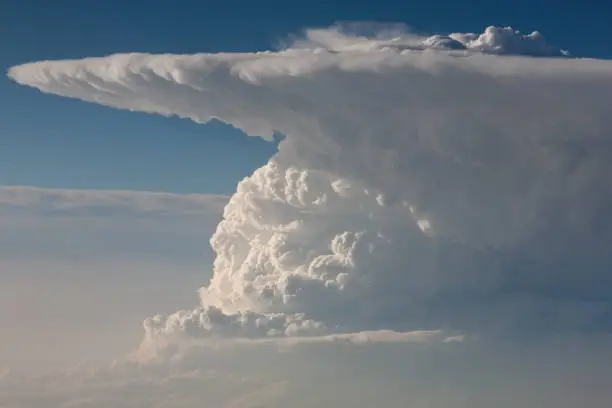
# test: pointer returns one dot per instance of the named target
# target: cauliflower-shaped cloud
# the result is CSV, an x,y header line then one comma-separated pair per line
x,y
494,40
421,184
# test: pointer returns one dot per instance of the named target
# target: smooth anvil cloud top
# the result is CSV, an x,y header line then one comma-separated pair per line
x,y
421,183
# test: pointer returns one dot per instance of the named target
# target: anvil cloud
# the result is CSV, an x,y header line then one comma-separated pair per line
x,y
422,182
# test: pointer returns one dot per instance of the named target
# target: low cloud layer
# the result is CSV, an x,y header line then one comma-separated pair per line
x,y
80,269
455,375
417,187
107,202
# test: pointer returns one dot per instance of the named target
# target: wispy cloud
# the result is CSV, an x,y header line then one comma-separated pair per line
x,y
107,202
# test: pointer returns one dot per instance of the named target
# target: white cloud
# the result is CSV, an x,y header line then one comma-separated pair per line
x,y
415,188
494,40
506,40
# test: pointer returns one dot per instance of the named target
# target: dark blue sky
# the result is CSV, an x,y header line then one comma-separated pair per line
x,y
53,142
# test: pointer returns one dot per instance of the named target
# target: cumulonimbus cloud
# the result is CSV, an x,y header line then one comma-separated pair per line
x,y
416,187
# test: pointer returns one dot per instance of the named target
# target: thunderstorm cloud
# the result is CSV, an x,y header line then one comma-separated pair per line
x,y
455,183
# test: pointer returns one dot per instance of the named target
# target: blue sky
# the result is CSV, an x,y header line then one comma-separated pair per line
x,y
49,141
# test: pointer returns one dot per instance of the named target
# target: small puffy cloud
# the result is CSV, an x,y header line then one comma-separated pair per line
x,y
506,40
494,40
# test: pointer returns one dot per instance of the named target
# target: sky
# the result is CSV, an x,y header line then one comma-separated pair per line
x,y
357,205
49,150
